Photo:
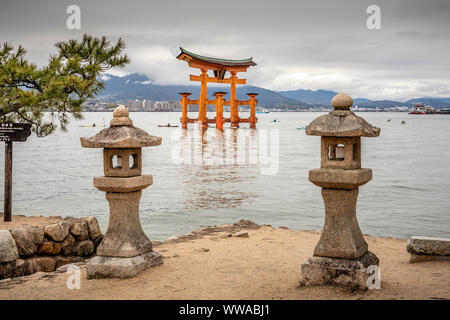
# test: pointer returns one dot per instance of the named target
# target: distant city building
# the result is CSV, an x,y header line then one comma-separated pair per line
x,y
174,105
147,105
161,106
133,105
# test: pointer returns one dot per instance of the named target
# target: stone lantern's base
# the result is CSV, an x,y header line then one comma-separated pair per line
x,y
115,267
341,272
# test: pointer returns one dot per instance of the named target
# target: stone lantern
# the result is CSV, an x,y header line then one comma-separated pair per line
x,y
341,256
125,249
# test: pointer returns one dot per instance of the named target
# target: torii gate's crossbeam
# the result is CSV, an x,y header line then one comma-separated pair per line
x,y
220,67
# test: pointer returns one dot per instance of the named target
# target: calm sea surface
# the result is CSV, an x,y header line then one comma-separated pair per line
x,y
239,175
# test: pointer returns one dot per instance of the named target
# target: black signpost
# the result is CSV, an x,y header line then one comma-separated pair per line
x,y
11,132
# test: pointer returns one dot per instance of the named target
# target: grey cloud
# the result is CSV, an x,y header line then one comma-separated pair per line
x,y
297,44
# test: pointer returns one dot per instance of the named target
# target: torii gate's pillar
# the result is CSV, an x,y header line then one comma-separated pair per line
x,y
184,105
234,114
253,103
219,109
203,101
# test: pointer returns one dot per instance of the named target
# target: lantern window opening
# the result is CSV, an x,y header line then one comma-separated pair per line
x,y
116,162
134,161
336,152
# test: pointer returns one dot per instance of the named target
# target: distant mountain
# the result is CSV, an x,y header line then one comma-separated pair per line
x,y
366,103
270,99
323,97
139,86
310,96
435,102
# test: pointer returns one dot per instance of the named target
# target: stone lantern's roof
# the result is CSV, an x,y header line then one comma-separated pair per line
x,y
341,122
121,134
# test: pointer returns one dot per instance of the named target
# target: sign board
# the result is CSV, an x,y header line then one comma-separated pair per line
x,y
9,133
14,131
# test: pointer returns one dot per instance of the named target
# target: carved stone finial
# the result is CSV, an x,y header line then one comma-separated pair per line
x,y
120,117
342,101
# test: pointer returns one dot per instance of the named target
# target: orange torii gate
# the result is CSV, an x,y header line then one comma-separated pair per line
x,y
220,67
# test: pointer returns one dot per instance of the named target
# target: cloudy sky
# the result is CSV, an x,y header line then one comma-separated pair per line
x,y
297,44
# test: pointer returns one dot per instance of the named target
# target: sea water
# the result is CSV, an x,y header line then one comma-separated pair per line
x,y
260,175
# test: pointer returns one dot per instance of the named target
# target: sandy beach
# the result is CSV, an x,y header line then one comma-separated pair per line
x,y
23,221
210,264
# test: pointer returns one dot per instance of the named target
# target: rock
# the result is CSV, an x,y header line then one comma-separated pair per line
x,y
29,267
43,264
28,239
67,245
97,241
427,257
61,261
8,248
94,228
12,269
428,245
246,224
49,247
80,229
241,234
65,267
58,231
83,248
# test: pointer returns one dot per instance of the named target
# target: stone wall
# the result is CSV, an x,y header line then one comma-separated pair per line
x,y
29,249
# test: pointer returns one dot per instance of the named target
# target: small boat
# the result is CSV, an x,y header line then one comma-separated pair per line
x,y
92,126
261,110
301,128
167,126
421,109
275,120
388,120
418,109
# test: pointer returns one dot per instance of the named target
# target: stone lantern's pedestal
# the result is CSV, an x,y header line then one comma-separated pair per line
x,y
114,267
125,250
342,272
341,256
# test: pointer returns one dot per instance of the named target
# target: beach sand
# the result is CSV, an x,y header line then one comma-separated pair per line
x,y
21,220
208,264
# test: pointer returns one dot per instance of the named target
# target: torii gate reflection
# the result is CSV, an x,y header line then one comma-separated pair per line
x,y
215,167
